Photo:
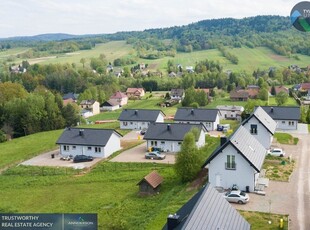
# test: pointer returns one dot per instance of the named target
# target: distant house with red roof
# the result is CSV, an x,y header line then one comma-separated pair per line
x,y
305,87
135,92
119,98
281,88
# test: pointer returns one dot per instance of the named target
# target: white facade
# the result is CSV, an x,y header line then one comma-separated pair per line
x,y
243,175
109,108
261,134
139,125
112,146
174,146
287,124
208,124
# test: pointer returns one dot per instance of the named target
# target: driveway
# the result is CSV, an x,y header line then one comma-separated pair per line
x,y
45,159
301,129
137,153
292,197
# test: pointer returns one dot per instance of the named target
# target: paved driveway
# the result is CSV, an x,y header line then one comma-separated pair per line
x,y
46,160
292,197
137,153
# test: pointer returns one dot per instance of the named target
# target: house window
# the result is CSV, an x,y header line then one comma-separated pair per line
x,y
253,129
73,147
152,142
97,150
88,148
155,143
179,143
162,142
66,147
291,123
230,164
125,123
283,122
131,123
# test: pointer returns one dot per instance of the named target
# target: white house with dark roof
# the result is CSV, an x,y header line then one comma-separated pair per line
x,y
287,117
91,142
261,126
169,136
139,118
207,209
209,117
109,106
231,112
177,94
238,160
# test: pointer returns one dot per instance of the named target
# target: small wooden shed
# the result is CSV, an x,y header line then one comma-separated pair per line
x,y
150,184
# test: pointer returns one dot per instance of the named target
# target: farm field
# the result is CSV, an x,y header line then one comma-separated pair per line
x,y
249,59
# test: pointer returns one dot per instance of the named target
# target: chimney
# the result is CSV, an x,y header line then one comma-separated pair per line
x,y
173,221
136,112
81,132
271,109
192,111
223,140
168,127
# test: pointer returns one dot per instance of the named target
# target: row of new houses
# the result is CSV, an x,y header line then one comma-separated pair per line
x,y
169,136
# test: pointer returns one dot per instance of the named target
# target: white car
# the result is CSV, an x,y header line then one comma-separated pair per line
x,y
237,196
276,152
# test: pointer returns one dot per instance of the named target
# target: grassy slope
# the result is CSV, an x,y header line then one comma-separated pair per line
x,y
249,59
19,149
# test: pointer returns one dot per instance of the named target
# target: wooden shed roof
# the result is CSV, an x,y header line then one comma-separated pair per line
x,y
153,179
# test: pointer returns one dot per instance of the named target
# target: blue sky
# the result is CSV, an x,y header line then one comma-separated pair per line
x,y
32,17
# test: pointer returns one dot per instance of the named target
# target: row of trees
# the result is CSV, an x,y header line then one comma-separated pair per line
x,y
23,113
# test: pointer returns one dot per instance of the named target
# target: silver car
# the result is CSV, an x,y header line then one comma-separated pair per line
x,y
237,196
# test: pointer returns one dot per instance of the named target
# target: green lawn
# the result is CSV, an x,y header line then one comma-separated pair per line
x,y
19,149
286,138
249,59
260,220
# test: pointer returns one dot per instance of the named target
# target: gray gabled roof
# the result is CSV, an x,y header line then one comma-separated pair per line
x,y
247,145
170,131
209,210
264,119
86,137
148,115
283,112
191,114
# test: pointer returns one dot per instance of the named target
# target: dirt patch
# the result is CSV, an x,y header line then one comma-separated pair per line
x,y
279,57
38,60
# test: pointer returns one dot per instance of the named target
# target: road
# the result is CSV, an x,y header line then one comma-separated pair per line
x,y
303,184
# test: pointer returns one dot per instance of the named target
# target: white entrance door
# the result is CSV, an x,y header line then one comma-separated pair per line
x,y
218,180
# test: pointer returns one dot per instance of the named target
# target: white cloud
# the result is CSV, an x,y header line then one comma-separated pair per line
x,y
31,17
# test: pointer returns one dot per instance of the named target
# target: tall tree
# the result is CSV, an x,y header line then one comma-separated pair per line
x,y
188,160
83,61
281,98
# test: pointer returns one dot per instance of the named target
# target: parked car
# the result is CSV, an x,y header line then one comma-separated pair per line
x,y
237,196
276,152
223,127
155,155
143,131
82,158
156,149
